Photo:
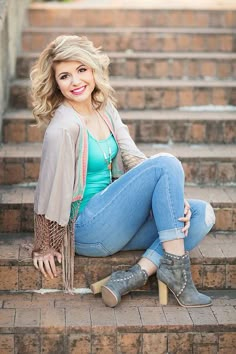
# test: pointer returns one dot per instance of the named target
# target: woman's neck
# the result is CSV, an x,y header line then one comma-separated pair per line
x,y
86,111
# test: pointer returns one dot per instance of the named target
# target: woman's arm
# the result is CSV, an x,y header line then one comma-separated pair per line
x,y
53,198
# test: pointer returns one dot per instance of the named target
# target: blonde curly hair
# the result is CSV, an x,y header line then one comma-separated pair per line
x,y
46,96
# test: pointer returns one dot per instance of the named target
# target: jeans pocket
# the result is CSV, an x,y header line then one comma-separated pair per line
x,y
91,249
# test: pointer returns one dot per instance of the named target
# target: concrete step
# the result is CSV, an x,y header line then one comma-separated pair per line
x,y
145,126
16,206
203,164
207,66
213,265
150,93
76,324
141,39
115,14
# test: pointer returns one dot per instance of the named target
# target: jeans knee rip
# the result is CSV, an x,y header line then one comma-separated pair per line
x,y
209,215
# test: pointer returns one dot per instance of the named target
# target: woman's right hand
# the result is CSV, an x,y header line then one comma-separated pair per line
x,y
46,263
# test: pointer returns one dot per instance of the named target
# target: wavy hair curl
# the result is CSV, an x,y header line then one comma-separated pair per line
x,y
46,97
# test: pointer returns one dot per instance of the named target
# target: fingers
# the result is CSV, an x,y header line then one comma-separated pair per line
x,y
186,220
46,264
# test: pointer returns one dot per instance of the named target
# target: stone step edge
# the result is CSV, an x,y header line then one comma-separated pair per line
x,y
129,54
218,196
183,151
124,30
136,6
151,83
217,248
157,115
131,320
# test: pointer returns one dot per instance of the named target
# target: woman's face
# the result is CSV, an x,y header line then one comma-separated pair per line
x,y
75,81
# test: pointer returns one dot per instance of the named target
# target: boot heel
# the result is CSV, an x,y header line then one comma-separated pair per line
x,y
163,293
97,287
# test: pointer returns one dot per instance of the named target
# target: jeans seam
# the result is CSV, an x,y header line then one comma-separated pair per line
x,y
120,191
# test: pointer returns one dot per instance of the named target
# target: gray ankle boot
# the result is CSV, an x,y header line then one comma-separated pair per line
x,y
174,271
122,282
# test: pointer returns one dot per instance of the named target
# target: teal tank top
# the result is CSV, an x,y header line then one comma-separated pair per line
x,y
98,173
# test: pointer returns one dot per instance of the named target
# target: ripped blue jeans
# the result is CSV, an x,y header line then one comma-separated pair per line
x,y
140,211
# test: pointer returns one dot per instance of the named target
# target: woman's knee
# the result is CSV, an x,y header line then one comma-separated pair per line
x,y
169,162
209,215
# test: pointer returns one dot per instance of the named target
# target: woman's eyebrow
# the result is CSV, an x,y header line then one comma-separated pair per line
x,y
65,72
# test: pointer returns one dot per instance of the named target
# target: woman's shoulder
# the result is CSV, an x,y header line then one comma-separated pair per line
x,y
63,122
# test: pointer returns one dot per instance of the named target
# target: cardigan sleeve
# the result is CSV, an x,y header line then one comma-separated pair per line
x,y
54,190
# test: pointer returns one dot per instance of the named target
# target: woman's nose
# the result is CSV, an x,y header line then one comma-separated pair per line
x,y
75,80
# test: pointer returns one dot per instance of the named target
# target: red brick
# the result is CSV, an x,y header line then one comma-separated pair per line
x,y
153,98
231,276
35,134
197,274
198,132
193,68
146,68
154,343
227,343
52,343
207,173
219,96
177,69
14,132
29,278
229,132
185,97
183,42
10,220
161,68
14,172
136,99
180,343
224,219
129,343
224,70
9,278
205,343
214,276
169,99
79,343
103,342
201,97
226,172
131,68
208,69
203,318
27,343
198,43
226,43
55,283
169,43
7,344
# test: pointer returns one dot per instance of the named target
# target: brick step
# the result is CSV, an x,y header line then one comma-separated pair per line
x,y
16,206
145,126
213,265
203,164
210,66
53,15
76,324
151,94
138,39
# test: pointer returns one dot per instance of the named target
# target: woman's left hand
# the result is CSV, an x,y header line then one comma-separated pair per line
x,y
186,218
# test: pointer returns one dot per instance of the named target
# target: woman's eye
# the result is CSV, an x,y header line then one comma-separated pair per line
x,y
82,70
63,77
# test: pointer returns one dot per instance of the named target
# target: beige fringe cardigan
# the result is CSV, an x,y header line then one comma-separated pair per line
x,y
62,180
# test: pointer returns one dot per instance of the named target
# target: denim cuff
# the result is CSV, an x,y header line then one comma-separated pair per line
x,y
169,235
153,256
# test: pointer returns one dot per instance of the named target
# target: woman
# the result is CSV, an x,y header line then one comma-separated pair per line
x,y
97,193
